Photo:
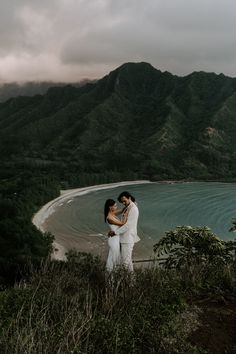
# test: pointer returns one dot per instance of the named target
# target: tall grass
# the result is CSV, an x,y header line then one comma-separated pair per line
x,y
76,307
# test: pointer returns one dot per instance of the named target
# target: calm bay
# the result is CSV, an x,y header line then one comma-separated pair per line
x,y
79,223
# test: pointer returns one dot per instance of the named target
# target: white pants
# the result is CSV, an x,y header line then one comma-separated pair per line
x,y
126,255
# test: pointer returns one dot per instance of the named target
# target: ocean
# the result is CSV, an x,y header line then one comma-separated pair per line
x,y
162,207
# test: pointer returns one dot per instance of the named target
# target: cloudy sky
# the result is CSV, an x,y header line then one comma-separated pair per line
x,y
69,40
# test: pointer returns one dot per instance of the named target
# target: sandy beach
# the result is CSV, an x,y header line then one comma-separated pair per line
x,y
60,247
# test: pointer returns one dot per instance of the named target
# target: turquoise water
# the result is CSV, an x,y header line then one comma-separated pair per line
x,y
162,207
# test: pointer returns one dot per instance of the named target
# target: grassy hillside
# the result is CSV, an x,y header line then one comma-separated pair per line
x,y
75,307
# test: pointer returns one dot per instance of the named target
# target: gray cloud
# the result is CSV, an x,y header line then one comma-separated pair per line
x,y
72,39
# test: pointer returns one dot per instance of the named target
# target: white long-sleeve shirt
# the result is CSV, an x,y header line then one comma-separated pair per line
x,y
128,231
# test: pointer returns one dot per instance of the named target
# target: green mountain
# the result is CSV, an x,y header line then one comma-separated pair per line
x,y
31,88
136,122
136,119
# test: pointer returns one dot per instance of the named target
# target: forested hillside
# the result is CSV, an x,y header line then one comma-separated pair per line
x,y
31,88
137,122
136,119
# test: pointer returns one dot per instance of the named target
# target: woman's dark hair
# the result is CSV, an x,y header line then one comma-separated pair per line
x,y
108,204
127,195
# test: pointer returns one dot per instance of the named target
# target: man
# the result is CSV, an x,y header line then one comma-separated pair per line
x,y
128,232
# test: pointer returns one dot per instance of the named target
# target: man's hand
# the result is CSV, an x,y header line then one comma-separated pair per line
x,y
111,233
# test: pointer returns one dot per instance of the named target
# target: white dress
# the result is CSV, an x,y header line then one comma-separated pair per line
x,y
113,258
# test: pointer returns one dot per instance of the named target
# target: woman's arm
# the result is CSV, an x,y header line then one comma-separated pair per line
x,y
115,221
120,211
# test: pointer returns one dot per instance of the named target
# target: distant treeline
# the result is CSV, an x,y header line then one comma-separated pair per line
x,y
31,88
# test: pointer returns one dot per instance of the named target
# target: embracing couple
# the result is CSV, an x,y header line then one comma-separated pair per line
x,y
123,231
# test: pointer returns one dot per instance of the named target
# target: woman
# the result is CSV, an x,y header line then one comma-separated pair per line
x,y
110,216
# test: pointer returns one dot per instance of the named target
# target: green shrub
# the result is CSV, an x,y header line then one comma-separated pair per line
x,y
200,257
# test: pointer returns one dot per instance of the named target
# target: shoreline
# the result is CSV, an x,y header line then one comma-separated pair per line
x,y
63,242
40,217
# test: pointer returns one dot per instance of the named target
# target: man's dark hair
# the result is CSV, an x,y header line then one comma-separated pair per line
x,y
127,195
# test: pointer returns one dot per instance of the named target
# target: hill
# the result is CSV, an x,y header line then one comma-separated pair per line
x,y
136,118
14,89
136,122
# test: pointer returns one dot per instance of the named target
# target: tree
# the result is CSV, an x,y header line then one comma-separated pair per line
x,y
186,247
233,228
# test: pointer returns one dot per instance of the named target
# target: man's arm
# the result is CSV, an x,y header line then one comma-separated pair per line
x,y
132,218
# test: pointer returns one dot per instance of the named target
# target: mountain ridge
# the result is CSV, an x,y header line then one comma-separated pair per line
x,y
136,117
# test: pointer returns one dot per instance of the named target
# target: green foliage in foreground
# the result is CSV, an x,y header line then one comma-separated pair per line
x,y
233,227
187,246
197,251
75,307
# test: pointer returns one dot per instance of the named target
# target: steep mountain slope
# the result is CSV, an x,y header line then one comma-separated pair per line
x,y
136,118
